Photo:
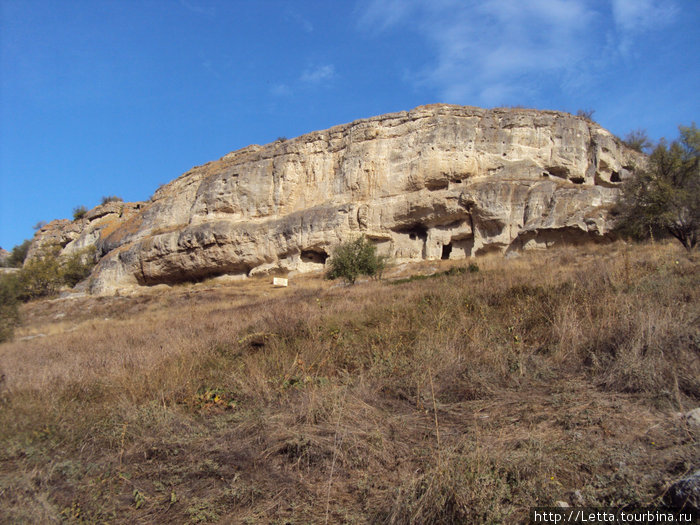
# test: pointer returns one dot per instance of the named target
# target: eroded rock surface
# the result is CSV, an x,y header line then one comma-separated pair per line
x,y
91,230
436,182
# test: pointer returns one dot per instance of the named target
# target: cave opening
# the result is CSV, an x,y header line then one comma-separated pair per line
x,y
558,171
415,231
440,184
314,256
446,251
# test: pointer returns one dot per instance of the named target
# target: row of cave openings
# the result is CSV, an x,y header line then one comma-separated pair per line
x,y
415,232
563,173
419,231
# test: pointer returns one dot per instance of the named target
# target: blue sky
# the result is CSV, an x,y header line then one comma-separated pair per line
x,y
115,97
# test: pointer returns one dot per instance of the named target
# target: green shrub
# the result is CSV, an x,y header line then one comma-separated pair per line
x,y
111,198
45,274
41,275
18,254
355,258
9,297
79,212
76,267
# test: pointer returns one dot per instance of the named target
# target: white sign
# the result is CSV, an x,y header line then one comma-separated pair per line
x,y
278,281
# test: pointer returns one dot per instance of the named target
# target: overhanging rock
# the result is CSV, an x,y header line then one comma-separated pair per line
x,y
439,181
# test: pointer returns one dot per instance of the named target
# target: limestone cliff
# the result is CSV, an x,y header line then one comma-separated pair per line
x,y
436,182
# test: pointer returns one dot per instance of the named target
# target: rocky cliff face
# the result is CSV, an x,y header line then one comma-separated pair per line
x,y
436,182
91,230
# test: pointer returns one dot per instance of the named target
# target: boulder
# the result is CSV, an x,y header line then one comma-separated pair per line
x,y
685,493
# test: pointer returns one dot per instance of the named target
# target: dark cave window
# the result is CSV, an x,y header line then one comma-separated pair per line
x,y
446,251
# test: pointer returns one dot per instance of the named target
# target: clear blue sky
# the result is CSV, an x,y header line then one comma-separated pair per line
x,y
102,97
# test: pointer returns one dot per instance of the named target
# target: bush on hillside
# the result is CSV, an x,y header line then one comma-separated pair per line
x,y
638,140
586,114
77,266
354,258
79,212
18,255
9,297
45,274
41,275
111,198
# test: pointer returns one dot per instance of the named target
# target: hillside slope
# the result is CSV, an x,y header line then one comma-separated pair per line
x,y
465,397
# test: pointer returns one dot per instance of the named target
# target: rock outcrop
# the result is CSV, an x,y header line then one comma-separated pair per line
x,y
90,230
436,182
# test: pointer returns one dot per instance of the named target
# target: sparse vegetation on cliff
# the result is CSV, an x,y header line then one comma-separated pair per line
x,y
111,198
638,140
79,212
465,398
586,114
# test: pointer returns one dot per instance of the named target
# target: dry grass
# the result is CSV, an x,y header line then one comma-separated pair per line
x,y
463,398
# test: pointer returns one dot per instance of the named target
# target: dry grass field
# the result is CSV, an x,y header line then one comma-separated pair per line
x,y
466,397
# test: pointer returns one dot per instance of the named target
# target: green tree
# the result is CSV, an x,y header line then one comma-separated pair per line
x,y
354,258
18,254
666,195
41,276
45,274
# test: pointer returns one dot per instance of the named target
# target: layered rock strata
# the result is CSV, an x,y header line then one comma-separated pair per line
x,y
436,182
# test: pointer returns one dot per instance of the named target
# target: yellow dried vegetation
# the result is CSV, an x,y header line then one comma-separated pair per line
x,y
463,398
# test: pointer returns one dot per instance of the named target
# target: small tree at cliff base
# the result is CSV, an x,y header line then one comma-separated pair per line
x,y
18,254
666,195
47,272
352,259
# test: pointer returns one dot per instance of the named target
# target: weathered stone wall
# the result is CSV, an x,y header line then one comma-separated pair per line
x,y
438,181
